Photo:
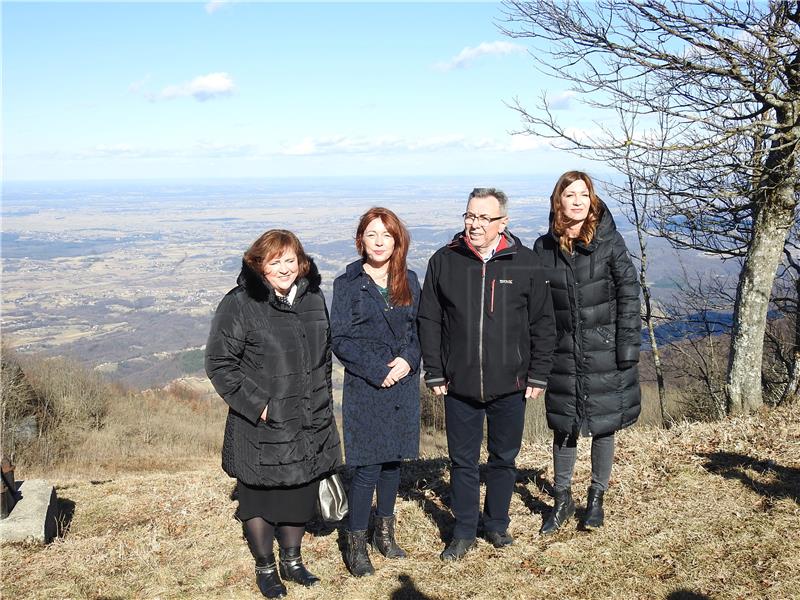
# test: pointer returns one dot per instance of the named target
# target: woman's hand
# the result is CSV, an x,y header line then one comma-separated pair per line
x,y
263,416
399,369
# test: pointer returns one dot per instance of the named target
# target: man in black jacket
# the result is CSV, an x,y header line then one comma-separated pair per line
x,y
487,333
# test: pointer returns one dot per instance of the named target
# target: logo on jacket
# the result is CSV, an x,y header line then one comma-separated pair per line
x,y
508,281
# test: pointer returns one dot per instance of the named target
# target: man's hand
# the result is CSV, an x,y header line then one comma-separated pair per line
x,y
440,390
263,416
399,369
533,393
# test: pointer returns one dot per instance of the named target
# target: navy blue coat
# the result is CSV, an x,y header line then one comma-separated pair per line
x,y
380,424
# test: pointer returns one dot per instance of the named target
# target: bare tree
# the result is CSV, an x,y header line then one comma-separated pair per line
x,y
697,338
636,198
727,75
783,335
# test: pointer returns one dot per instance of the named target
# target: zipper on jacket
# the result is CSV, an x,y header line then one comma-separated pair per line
x,y
491,304
480,328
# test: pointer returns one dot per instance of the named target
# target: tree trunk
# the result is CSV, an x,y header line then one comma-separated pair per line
x,y
772,223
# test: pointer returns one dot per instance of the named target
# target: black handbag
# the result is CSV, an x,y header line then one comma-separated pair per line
x,y
332,498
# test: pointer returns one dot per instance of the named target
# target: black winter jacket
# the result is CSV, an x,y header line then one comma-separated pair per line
x,y
594,385
262,352
486,329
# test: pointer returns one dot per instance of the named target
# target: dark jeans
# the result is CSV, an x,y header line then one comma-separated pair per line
x,y
565,451
383,478
505,419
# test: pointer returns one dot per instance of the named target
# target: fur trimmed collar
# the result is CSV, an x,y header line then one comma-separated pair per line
x,y
259,289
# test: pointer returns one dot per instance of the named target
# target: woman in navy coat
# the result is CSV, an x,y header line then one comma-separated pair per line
x,y
374,335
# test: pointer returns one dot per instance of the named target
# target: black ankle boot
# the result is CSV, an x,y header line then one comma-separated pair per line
x,y
356,557
293,569
267,578
564,508
594,509
383,538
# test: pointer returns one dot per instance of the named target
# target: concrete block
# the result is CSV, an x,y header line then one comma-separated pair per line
x,y
34,516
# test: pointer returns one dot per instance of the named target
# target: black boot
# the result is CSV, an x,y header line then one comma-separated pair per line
x,y
594,509
383,538
293,569
564,508
267,578
356,557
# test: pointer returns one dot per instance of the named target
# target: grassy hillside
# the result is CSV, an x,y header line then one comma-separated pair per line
x,y
708,510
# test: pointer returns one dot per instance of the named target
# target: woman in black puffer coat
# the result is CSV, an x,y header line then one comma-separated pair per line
x,y
593,389
268,355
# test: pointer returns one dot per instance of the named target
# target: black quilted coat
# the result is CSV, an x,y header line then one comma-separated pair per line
x,y
263,352
594,384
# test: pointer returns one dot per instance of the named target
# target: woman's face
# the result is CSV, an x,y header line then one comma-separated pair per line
x,y
281,271
575,201
378,242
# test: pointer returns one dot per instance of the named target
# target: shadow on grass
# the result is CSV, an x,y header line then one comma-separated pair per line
x,y
686,595
422,481
65,510
407,590
783,482
535,476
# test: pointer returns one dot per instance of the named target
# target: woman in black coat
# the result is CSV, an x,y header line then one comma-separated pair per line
x,y
593,388
268,355
373,327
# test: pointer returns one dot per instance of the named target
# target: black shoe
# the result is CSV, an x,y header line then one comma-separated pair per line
x,y
457,548
267,578
594,509
564,508
356,557
498,539
383,538
293,569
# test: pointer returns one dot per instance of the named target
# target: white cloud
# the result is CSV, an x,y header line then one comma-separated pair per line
x,y
214,5
469,54
341,145
525,143
201,88
310,146
137,86
561,100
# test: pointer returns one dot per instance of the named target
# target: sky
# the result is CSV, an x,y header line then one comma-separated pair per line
x,y
150,90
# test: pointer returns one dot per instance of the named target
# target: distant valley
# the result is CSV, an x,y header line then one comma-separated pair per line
x,y
126,276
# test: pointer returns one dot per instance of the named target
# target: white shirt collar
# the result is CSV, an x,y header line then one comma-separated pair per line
x,y
491,251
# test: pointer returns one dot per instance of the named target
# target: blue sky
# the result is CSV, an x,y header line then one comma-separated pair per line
x,y
255,89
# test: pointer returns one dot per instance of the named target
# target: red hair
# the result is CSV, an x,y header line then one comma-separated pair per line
x,y
561,222
399,290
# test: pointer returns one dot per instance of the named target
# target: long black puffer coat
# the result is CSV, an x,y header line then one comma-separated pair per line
x,y
263,352
594,384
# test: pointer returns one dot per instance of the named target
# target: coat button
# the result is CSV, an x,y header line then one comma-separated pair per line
x,y
397,407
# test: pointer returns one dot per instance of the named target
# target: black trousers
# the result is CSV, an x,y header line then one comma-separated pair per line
x,y
505,420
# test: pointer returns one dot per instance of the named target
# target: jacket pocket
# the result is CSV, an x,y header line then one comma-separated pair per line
x,y
280,453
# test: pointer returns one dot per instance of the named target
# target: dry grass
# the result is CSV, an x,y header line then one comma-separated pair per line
x,y
706,510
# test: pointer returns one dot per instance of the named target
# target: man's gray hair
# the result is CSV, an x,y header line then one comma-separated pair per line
x,y
502,199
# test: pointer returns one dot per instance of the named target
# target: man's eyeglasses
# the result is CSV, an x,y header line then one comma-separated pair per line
x,y
483,220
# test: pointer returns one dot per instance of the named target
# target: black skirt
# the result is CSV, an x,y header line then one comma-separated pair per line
x,y
278,505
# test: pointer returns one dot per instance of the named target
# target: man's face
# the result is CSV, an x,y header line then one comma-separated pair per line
x,y
481,236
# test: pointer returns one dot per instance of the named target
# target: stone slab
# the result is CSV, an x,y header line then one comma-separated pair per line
x,y
34,516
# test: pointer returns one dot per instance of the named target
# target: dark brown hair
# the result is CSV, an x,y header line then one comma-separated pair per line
x,y
273,243
561,222
399,290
